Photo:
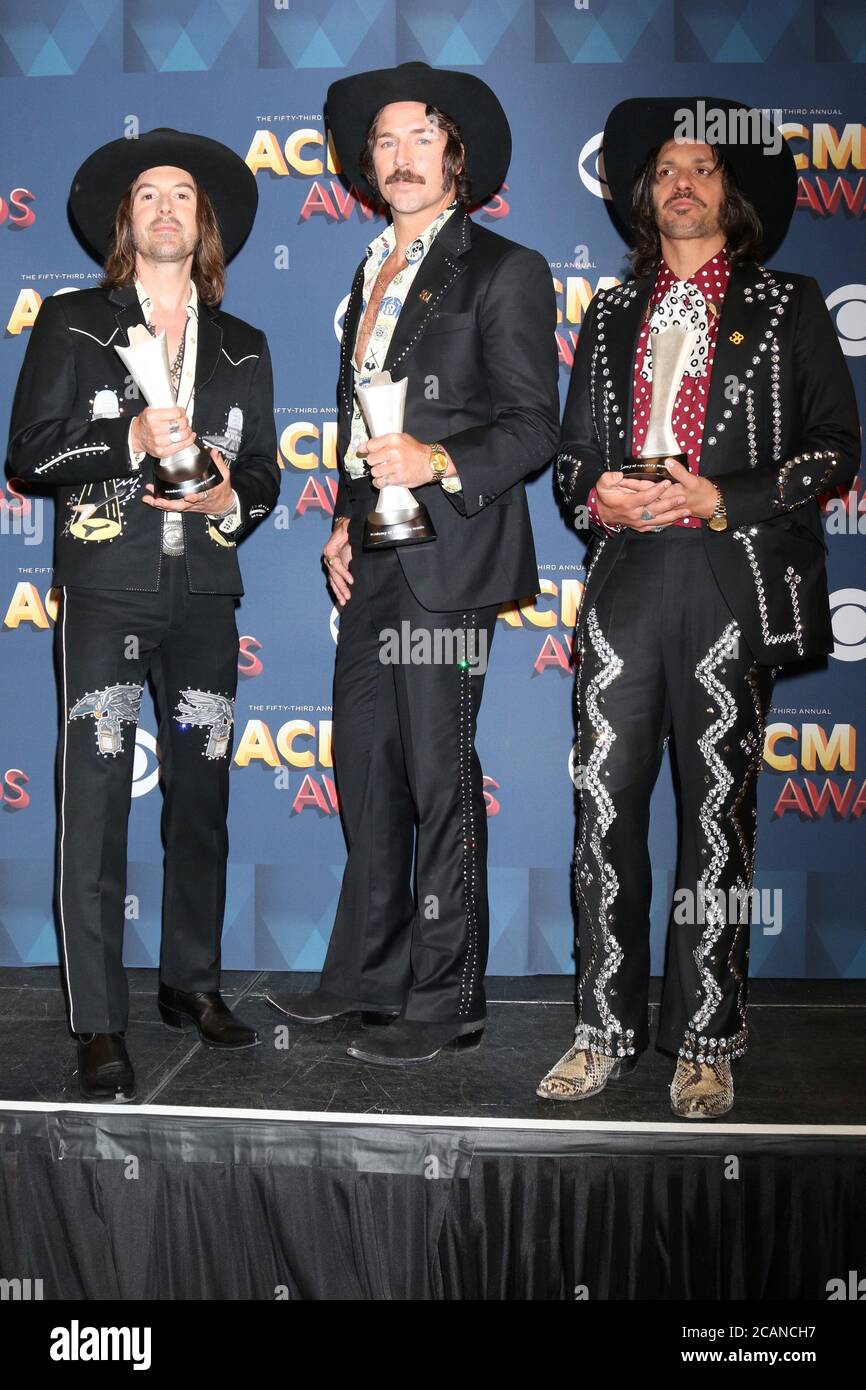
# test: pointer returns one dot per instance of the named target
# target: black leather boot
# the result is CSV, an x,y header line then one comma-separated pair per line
x,y
216,1024
104,1069
409,1043
320,1006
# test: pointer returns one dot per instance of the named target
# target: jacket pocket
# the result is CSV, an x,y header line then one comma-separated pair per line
x,y
449,323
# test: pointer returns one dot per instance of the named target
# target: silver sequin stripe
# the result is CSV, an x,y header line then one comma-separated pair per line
x,y
792,579
612,1038
710,816
470,881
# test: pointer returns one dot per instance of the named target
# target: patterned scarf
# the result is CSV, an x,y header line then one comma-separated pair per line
x,y
682,307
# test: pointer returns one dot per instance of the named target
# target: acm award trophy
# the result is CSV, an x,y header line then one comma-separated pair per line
x,y
671,350
399,518
191,470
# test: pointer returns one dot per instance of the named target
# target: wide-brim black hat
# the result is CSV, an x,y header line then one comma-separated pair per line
x,y
353,102
105,176
639,125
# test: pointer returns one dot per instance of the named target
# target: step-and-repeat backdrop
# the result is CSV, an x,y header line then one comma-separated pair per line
x,y
253,73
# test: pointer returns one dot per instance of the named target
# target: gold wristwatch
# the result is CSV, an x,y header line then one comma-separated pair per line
x,y
438,462
719,519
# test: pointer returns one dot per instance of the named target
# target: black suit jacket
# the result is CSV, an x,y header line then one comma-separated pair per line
x,y
781,429
476,338
69,430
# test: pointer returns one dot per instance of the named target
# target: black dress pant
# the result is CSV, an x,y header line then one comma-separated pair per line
x,y
411,929
107,642
662,656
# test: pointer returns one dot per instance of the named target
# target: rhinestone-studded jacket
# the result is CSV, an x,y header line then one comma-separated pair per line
x,y
781,430
70,428
476,339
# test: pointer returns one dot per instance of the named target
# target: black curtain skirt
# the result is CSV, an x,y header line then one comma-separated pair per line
x,y
130,1205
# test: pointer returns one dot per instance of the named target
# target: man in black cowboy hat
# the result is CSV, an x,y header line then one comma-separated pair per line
x,y
149,585
700,583
468,319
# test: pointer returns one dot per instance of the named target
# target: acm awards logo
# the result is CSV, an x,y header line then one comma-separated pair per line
x,y
802,751
552,614
13,793
16,211
306,446
303,154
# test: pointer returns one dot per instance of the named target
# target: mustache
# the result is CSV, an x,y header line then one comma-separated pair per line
x,y
403,176
684,198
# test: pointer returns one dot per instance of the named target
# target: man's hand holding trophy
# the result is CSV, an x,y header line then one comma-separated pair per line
x,y
183,471
656,488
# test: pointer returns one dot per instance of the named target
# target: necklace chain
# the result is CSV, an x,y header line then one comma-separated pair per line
x,y
177,365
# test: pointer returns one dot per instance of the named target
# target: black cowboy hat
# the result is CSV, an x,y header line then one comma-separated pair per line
x,y
105,176
641,124
353,102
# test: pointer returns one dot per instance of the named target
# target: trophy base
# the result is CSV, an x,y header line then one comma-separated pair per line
x,y
652,469
185,474
388,529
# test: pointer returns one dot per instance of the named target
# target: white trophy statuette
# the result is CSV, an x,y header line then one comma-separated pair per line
x,y
191,470
399,518
671,350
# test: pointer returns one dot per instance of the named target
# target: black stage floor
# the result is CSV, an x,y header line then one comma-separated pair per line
x,y
805,1066
291,1171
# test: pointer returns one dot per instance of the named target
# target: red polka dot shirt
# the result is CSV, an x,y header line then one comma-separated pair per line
x,y
689,415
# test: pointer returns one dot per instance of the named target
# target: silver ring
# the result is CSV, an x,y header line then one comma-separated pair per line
x,y
174,430
646,514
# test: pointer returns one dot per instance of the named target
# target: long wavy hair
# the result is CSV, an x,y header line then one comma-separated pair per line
x,y
737,217
453,155
208,262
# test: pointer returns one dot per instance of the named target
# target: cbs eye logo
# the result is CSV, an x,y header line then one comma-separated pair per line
x,y
145,766
590,166
849,301
848,607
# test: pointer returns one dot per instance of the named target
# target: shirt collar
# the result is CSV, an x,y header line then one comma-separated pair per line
x,y
146,305
384,244
711,278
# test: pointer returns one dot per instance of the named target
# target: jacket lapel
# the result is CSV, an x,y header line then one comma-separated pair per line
x,y
347,342
623,332
437,273
210,341
740,333
127,311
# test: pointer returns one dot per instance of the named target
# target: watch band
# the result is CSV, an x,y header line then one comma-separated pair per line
x,y
438,462
719,519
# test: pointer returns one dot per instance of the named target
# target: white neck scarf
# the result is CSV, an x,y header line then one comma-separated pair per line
x,y
682,307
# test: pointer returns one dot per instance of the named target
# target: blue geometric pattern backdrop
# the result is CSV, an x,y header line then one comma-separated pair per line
x,y
253,73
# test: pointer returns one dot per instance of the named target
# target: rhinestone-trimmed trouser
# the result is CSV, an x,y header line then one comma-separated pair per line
x,y
411,928
661,657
